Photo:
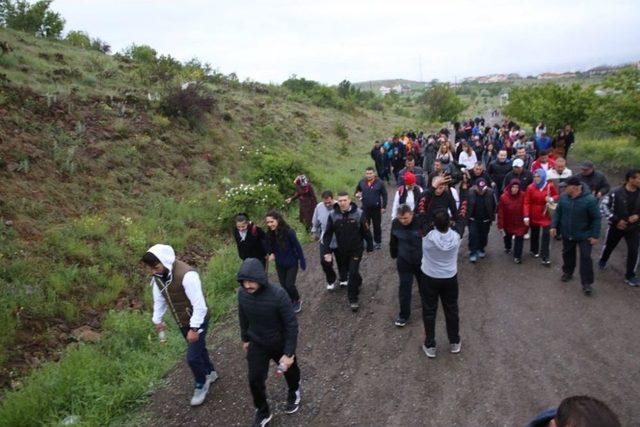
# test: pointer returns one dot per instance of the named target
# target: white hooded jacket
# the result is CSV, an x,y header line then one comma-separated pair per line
x,y
440,254
190,282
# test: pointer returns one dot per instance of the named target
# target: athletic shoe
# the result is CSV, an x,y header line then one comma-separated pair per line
x,y
482,254
602,265
430,352
261,420
517,260
331,286
343,284
199,394
566,277
473,257
293,402
507,251
633,282
456,347
400,322
527,236
377,246
297,306
212,377
354,306
535,255
546,262
587,290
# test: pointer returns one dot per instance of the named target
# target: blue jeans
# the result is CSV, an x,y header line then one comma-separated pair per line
x,y
198,356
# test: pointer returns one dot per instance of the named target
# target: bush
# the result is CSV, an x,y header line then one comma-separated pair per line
x,y
143,54
190,103
78,39
341,130
36,19
253,199
279,169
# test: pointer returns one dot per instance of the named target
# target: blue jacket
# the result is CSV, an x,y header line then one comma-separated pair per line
x,y
289,255
579,218
543,143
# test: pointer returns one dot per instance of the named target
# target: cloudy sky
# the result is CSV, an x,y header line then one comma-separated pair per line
x,y
331,40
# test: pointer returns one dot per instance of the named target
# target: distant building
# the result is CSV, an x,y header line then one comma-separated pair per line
x,y
549,76
400,88
384,90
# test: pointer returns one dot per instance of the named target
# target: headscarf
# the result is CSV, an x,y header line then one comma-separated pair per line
x,y
303,183
543,178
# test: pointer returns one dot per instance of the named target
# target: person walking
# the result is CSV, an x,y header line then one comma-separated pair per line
x,y
376,156
622,209
578,216
318,227
405,246
350,228
176,286
307,197
284,248
436,197
408,193
482,211
511,219
595,180
251,240
468,157
439,281
560,172
520,173
373,193
539,197
269,331
417,171
498,169
569,139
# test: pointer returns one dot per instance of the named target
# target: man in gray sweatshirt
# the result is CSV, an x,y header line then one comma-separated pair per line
x,y
318,226
440,280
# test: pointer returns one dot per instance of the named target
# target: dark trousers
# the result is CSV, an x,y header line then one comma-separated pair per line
x,y
632,238
538,244
569,248
375,216
198,356
406,273
349,269
258,358
518,244
446,290
287,278
386,169
478,235
327,267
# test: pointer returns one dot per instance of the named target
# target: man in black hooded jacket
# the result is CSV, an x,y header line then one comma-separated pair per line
x,y
269,331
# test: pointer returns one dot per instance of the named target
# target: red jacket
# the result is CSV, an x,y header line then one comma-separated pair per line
x,y
535,203
511,213
551,163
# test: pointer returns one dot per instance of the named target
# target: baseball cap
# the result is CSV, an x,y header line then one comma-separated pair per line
x,y
587,164
518,163
573,180
409,178
481,183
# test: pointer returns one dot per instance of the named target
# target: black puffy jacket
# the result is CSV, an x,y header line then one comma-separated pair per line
x,y
350,229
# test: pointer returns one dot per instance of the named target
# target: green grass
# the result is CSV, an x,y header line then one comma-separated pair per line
x,y
614,154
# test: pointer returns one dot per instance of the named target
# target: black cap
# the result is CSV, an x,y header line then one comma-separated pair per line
x,y
587,164
573,180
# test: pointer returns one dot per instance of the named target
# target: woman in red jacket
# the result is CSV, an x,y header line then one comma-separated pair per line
x,y
511,219
536,216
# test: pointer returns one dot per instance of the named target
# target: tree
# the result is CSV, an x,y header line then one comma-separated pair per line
x,y
618,110
441,103
344,89
36,18
79,39
551,103
141,53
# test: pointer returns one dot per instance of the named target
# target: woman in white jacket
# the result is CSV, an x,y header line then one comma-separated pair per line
x,y
468,157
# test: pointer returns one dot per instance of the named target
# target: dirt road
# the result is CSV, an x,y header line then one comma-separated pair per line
x,y
528,340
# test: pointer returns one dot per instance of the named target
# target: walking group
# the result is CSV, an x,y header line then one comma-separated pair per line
x,y
442,187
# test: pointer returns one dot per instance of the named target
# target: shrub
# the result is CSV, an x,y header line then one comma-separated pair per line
x,y
341,130
253,199
279,169
141,53
190,103
36,19
78,39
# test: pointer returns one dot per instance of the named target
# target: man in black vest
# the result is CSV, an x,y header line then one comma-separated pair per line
x,y
373,193
269,331
176,287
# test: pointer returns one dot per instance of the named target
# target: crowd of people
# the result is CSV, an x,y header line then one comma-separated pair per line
x,y
468,180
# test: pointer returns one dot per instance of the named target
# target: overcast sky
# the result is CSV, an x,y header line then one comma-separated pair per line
x,y
331,40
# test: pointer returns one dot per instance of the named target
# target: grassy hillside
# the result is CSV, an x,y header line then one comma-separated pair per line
x,y
93,174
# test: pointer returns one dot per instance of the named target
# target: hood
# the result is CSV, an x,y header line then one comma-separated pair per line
x,y
444,241
252,269
507,189
352,208
165,254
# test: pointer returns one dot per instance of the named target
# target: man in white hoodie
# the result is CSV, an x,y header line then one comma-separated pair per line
x,y
440,280
176,286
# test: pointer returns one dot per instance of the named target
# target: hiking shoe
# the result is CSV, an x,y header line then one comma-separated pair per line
x,y
343,283
507,250
400,322
566,277
535,255
297,306
211,378
261,420
354,306
633,282
527,236
546,262
517,260
377,246
199,394
602,265
587,290
473,257
331,286
456,347
293,402
429,351
482,254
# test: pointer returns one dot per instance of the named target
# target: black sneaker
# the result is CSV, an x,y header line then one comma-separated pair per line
x,y
517,260
546,262
535,255
587,290
293,402
354,306
261,420
507,251
634,282
400,322
566,277
602,265
377,246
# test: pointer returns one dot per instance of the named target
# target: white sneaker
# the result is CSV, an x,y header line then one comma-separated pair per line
x,y
199,394
344,284
455,348
212,377
430,352
331,286
527,236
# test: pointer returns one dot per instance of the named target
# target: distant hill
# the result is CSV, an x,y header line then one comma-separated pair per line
x,y
377,84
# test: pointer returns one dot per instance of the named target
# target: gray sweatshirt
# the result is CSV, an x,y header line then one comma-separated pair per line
x,y
319,222
440,254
